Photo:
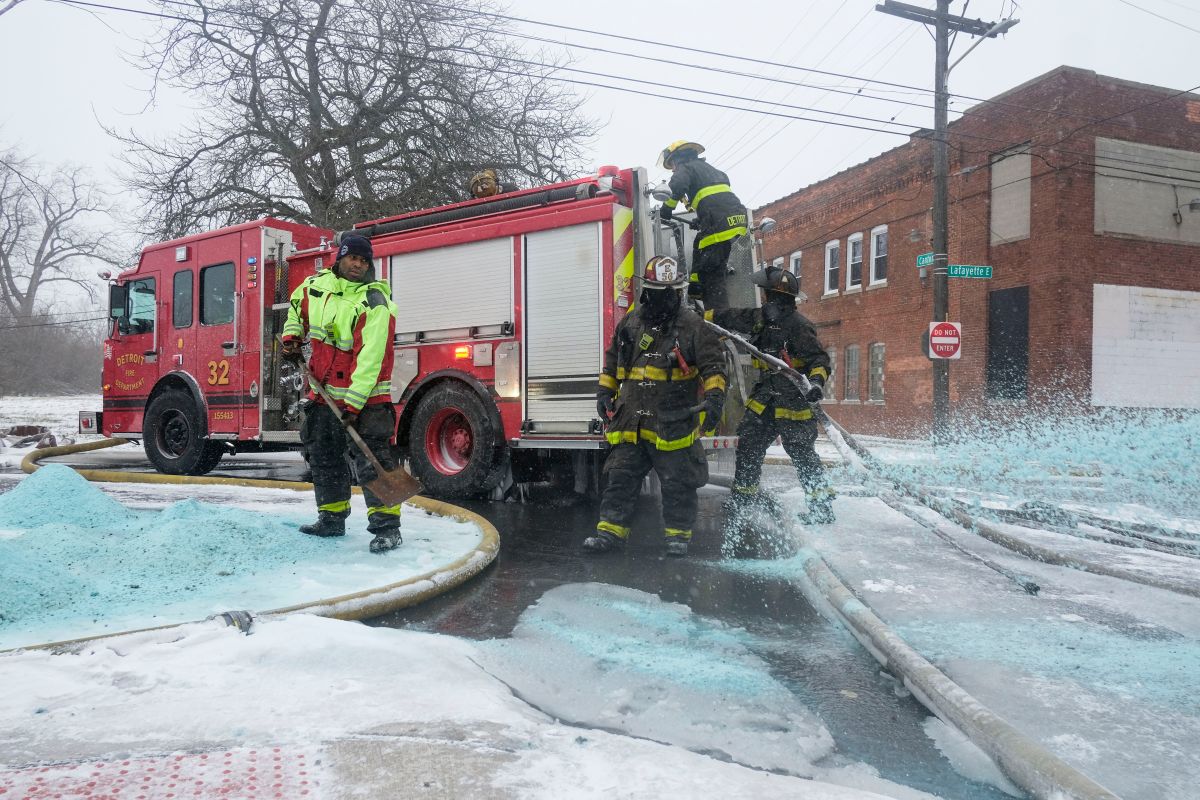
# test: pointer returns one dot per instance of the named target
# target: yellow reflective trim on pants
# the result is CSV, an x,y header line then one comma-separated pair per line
x,y
608,382
694,277
620,531
621,437
819,372
709,191
678,533
714,382
746,489
647,435
708,314
622,373
336,507
793,413
755,406
722,236
393,510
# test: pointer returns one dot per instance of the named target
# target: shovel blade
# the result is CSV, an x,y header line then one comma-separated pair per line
x,y
394,487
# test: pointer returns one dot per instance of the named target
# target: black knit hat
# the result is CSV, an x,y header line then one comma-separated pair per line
x,y
355,245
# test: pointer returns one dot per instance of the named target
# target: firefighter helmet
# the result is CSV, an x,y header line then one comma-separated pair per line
x,y
678,148
777,279
663,272
485,183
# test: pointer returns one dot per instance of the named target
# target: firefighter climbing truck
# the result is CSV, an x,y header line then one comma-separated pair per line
x,y
505,305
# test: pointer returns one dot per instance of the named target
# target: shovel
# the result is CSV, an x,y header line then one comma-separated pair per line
x,y
393,487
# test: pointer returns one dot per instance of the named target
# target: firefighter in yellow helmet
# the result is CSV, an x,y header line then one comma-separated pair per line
x,y
663,362
486,183
720,215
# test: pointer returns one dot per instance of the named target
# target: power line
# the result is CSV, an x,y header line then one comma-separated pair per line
x,y
1005,144
1160,16
51,324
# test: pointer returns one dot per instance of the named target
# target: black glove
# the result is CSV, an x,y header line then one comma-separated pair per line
x,y
605,407
714,404
665,212
350,417
817,391
694,224
293,351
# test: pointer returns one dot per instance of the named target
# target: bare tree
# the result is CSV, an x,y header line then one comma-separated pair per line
x,y
331,112
9,6
49,231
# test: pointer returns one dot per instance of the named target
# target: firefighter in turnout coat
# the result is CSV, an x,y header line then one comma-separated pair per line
x,y
660,361
350,319
776,406
721,217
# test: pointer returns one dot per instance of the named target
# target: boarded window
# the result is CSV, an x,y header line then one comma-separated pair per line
x,y
795,267
181,299
1143,190
1008,344
830,390
1010,195
875,373
850,379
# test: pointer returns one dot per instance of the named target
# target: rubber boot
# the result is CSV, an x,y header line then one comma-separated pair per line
x,y
602,542
676,546
328,523
385,540
820,508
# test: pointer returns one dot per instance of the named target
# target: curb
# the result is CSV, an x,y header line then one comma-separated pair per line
x,y
355,606
1027,763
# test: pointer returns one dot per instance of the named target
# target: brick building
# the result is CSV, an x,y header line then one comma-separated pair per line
x,y
1076,188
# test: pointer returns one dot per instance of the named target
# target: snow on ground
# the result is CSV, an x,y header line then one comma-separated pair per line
x,y
59,413
76,562
334,691
1101,671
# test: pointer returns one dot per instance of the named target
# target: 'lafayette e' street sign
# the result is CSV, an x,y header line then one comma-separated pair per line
x,y
968,271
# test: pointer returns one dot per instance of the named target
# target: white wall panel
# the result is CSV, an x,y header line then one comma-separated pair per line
x,y
1145,347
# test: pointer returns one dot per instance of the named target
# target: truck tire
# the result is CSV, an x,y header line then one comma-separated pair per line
x,y
173,435
455,446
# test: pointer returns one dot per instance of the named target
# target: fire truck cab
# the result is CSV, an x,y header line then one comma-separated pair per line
x,y
505,305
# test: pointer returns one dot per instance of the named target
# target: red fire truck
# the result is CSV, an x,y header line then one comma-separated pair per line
x,y
505,305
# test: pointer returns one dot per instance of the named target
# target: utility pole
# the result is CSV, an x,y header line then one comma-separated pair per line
x,y
943,22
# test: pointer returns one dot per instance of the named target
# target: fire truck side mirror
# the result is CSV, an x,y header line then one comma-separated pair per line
x,y
118,301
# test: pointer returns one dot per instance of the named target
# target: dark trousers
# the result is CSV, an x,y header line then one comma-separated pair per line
x,y
757,432
708,265
681,473
336,461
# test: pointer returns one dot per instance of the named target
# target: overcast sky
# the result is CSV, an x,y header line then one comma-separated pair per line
x,y
64,74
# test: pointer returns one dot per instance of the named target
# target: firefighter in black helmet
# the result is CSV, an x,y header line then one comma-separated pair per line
x,y
721,217
661,360
776,407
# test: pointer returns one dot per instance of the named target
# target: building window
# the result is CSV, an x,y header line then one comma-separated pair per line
x,y
875,373
778,263
879,242
216,295
1010,195
854,261
181,299
833,266
850,383
795,265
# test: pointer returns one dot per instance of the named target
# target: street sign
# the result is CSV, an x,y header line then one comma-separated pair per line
x,y
968,271
945,340
925,260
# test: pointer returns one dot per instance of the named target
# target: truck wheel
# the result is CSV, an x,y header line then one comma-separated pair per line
x,y
455,446
174,431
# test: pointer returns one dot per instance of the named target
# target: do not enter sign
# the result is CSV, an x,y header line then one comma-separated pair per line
x,y
945,340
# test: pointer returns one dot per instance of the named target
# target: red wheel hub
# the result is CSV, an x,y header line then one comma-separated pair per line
x,y
449,441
